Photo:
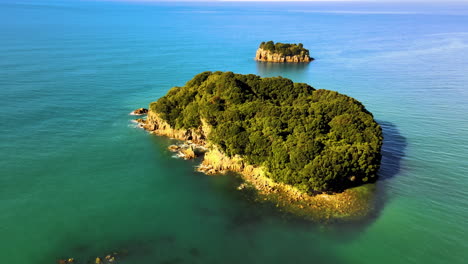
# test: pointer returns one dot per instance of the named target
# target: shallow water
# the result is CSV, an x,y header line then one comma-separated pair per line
x,y
78,179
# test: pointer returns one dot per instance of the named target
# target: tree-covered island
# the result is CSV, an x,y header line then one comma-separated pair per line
x,y
282,52
283,137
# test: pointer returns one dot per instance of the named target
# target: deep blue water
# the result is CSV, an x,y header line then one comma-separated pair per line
x,y
78,179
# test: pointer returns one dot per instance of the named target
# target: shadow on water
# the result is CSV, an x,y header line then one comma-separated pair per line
x,y
393,151
289,70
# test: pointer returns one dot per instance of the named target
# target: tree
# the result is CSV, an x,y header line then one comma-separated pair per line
x,y
316,140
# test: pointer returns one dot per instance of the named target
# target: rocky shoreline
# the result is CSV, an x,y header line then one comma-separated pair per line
x,y
187,150
268,56
350,204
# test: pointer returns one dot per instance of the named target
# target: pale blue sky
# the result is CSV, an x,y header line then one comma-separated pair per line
x,y
441,1
383,1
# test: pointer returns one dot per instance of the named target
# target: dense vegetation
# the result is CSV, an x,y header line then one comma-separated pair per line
x,y
284,48
316,140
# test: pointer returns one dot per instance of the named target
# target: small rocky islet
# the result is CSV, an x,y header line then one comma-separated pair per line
x,y
312,152
282,53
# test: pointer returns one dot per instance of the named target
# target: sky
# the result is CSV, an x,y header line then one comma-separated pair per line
x,y
383,1
442,1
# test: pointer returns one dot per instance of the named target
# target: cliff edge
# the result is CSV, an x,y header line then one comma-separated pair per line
x,y
268,56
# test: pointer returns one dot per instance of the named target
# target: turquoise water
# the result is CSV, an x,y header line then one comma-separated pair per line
x,y
78,179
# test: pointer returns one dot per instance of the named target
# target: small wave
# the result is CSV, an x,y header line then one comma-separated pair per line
x,y
178,155
135,124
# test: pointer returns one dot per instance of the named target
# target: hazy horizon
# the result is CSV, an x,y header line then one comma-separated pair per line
x,y
337,1
371,1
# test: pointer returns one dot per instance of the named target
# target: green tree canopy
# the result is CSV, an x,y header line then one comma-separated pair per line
x,y
316,140
285,49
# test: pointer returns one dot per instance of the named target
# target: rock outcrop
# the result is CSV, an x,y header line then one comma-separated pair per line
x,y
157,125
268,56
139,111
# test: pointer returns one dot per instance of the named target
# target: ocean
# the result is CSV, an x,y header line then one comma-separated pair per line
x,y
78,179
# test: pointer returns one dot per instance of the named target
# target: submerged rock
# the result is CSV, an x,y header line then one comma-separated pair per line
x,y
66,261
109,258
194,252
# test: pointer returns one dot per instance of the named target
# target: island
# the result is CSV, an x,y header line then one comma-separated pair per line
x,y
313,149
282,52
